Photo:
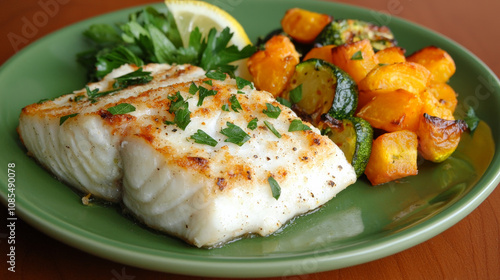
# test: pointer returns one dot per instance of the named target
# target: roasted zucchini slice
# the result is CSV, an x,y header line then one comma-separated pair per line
x,y
318,87
354,136
343,31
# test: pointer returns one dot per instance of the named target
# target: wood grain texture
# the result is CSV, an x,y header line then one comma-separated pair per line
x,y
468,250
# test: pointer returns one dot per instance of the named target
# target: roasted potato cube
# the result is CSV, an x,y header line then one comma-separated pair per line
x,y
324,53
438,138
390,55
445,94
393,111
273,67
303,25
393,156
432,106
437,61
356,58
408,76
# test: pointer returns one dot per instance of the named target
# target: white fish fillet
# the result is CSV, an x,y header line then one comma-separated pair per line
x,y
205,195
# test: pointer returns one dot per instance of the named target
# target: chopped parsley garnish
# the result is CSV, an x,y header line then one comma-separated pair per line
x,y
225,107
122,108
296,94
65,118
297,125
149,36
273,130
235,134
137,77
471,120
204,92
201,137
78,98
275,187
241,83
284,102
177,102
252,124
208,82
357,56
235,104
272,111
180,108
216,75
193,88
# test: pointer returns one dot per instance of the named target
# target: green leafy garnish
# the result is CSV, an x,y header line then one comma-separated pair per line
x,y
235,104
201,137
252,124
357,56
137,77
241,83
216,75
149,36
193,88
296,94
272,111
65,118
471,120
225,107
284,102
204,92
275,187
180,108
235,134
122,108
297,125
273,130
177,102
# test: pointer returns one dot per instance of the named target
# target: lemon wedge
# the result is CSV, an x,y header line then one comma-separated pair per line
x,y
189,14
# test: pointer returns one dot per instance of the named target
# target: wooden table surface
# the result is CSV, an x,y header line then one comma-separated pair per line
x,y
468,250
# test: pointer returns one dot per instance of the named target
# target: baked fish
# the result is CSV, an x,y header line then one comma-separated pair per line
x,y
205,158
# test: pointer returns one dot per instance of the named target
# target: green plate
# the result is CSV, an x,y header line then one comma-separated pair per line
x,y
362,224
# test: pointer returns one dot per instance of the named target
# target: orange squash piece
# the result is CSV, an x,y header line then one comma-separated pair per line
x,y
356,58
390,55
432,106
393,156
323,52
273,67
438,138
303,25
408,76
445,95
393,111
437,61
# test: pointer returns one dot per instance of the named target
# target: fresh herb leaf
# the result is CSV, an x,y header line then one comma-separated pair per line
x,y
273,130
122,108
252,124
102,35
296,94
297,125
201,137
208,82
78,98
182,117
275,187
235,134
272,111
235,104
241,83
240,92
133,78
109,59
204,92
177,102
216,75
193,88
169,122
225,107
284,102
357,56
65,118
471,120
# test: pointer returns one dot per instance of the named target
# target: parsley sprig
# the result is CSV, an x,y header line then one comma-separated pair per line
x,y
150,36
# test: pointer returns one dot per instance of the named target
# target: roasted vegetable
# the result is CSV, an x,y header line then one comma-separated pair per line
x,y
343,31
437,61
323,52
394,156
303,25
355,58
390,55
445,94
354,137
432,106
318,87
393,111
438,138
273,67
